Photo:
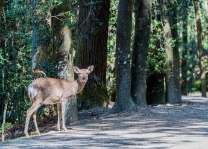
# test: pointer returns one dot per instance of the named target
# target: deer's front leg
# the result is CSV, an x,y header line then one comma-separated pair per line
x,y
58,112
63,107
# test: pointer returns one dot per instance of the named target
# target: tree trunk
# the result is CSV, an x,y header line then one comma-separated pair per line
x,y
62,45
1,45
173,91
5,84
42,54
184,66
92,35
200,49
140,51
123,40
1,8
4,119
37,46
176,57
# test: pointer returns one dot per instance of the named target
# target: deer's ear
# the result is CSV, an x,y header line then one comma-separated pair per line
x,y
90,68
76,69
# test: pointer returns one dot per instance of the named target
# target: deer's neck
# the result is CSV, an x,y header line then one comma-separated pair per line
x,y
80,86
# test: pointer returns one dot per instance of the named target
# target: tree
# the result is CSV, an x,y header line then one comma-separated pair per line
x,y
184,61
1,7
169,20
92,35
140,50
200,49
62,45
123,72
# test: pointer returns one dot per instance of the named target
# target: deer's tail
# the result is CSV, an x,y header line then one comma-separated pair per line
x,y
32,92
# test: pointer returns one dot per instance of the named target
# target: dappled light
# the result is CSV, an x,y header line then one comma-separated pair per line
x,y
146,127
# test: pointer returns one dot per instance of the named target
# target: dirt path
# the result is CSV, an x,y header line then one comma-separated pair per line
x,y
162,126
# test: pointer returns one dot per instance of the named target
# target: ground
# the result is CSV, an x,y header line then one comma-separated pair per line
x,y
176,126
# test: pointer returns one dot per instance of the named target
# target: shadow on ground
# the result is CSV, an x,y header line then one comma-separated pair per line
x,y
161,126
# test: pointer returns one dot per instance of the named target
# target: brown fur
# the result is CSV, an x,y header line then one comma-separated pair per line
x,y
54,91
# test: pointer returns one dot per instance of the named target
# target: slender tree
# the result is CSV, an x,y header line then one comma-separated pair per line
x,y
169,20
184,61
140,50
92,35
200,49
1,8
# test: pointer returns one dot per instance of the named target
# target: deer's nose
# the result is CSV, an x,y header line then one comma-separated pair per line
x,y
83,78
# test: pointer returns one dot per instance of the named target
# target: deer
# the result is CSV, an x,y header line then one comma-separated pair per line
x,y
54,91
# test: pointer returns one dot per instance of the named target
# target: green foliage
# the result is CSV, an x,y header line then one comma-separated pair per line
x,y
156,54
6,126
1,57
18,22
15,42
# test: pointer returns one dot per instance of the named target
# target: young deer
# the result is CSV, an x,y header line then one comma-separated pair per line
x,y
52,91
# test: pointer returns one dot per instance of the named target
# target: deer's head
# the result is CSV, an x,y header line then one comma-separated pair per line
x,y
83,73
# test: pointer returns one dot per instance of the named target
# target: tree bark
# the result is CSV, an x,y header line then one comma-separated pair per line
x,y
173,90
200,49
62,45
184,66
42,54
123,71
92,35
140,51
1,8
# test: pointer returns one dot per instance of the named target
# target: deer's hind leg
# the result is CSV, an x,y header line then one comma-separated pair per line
x,y
30,111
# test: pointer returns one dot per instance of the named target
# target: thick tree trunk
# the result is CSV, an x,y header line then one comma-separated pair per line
x,y
200,49
62,45
173,90
92,35
140,51
123,40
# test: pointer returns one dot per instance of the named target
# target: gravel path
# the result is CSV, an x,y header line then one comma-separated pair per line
x,y
163,126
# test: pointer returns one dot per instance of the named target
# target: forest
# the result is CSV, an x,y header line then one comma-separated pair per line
x,y
144,52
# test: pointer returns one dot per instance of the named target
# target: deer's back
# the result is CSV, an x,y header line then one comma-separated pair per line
x,y
56,88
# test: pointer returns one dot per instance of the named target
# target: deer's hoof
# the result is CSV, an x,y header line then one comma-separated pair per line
x,y
38,133
65,129
58,129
